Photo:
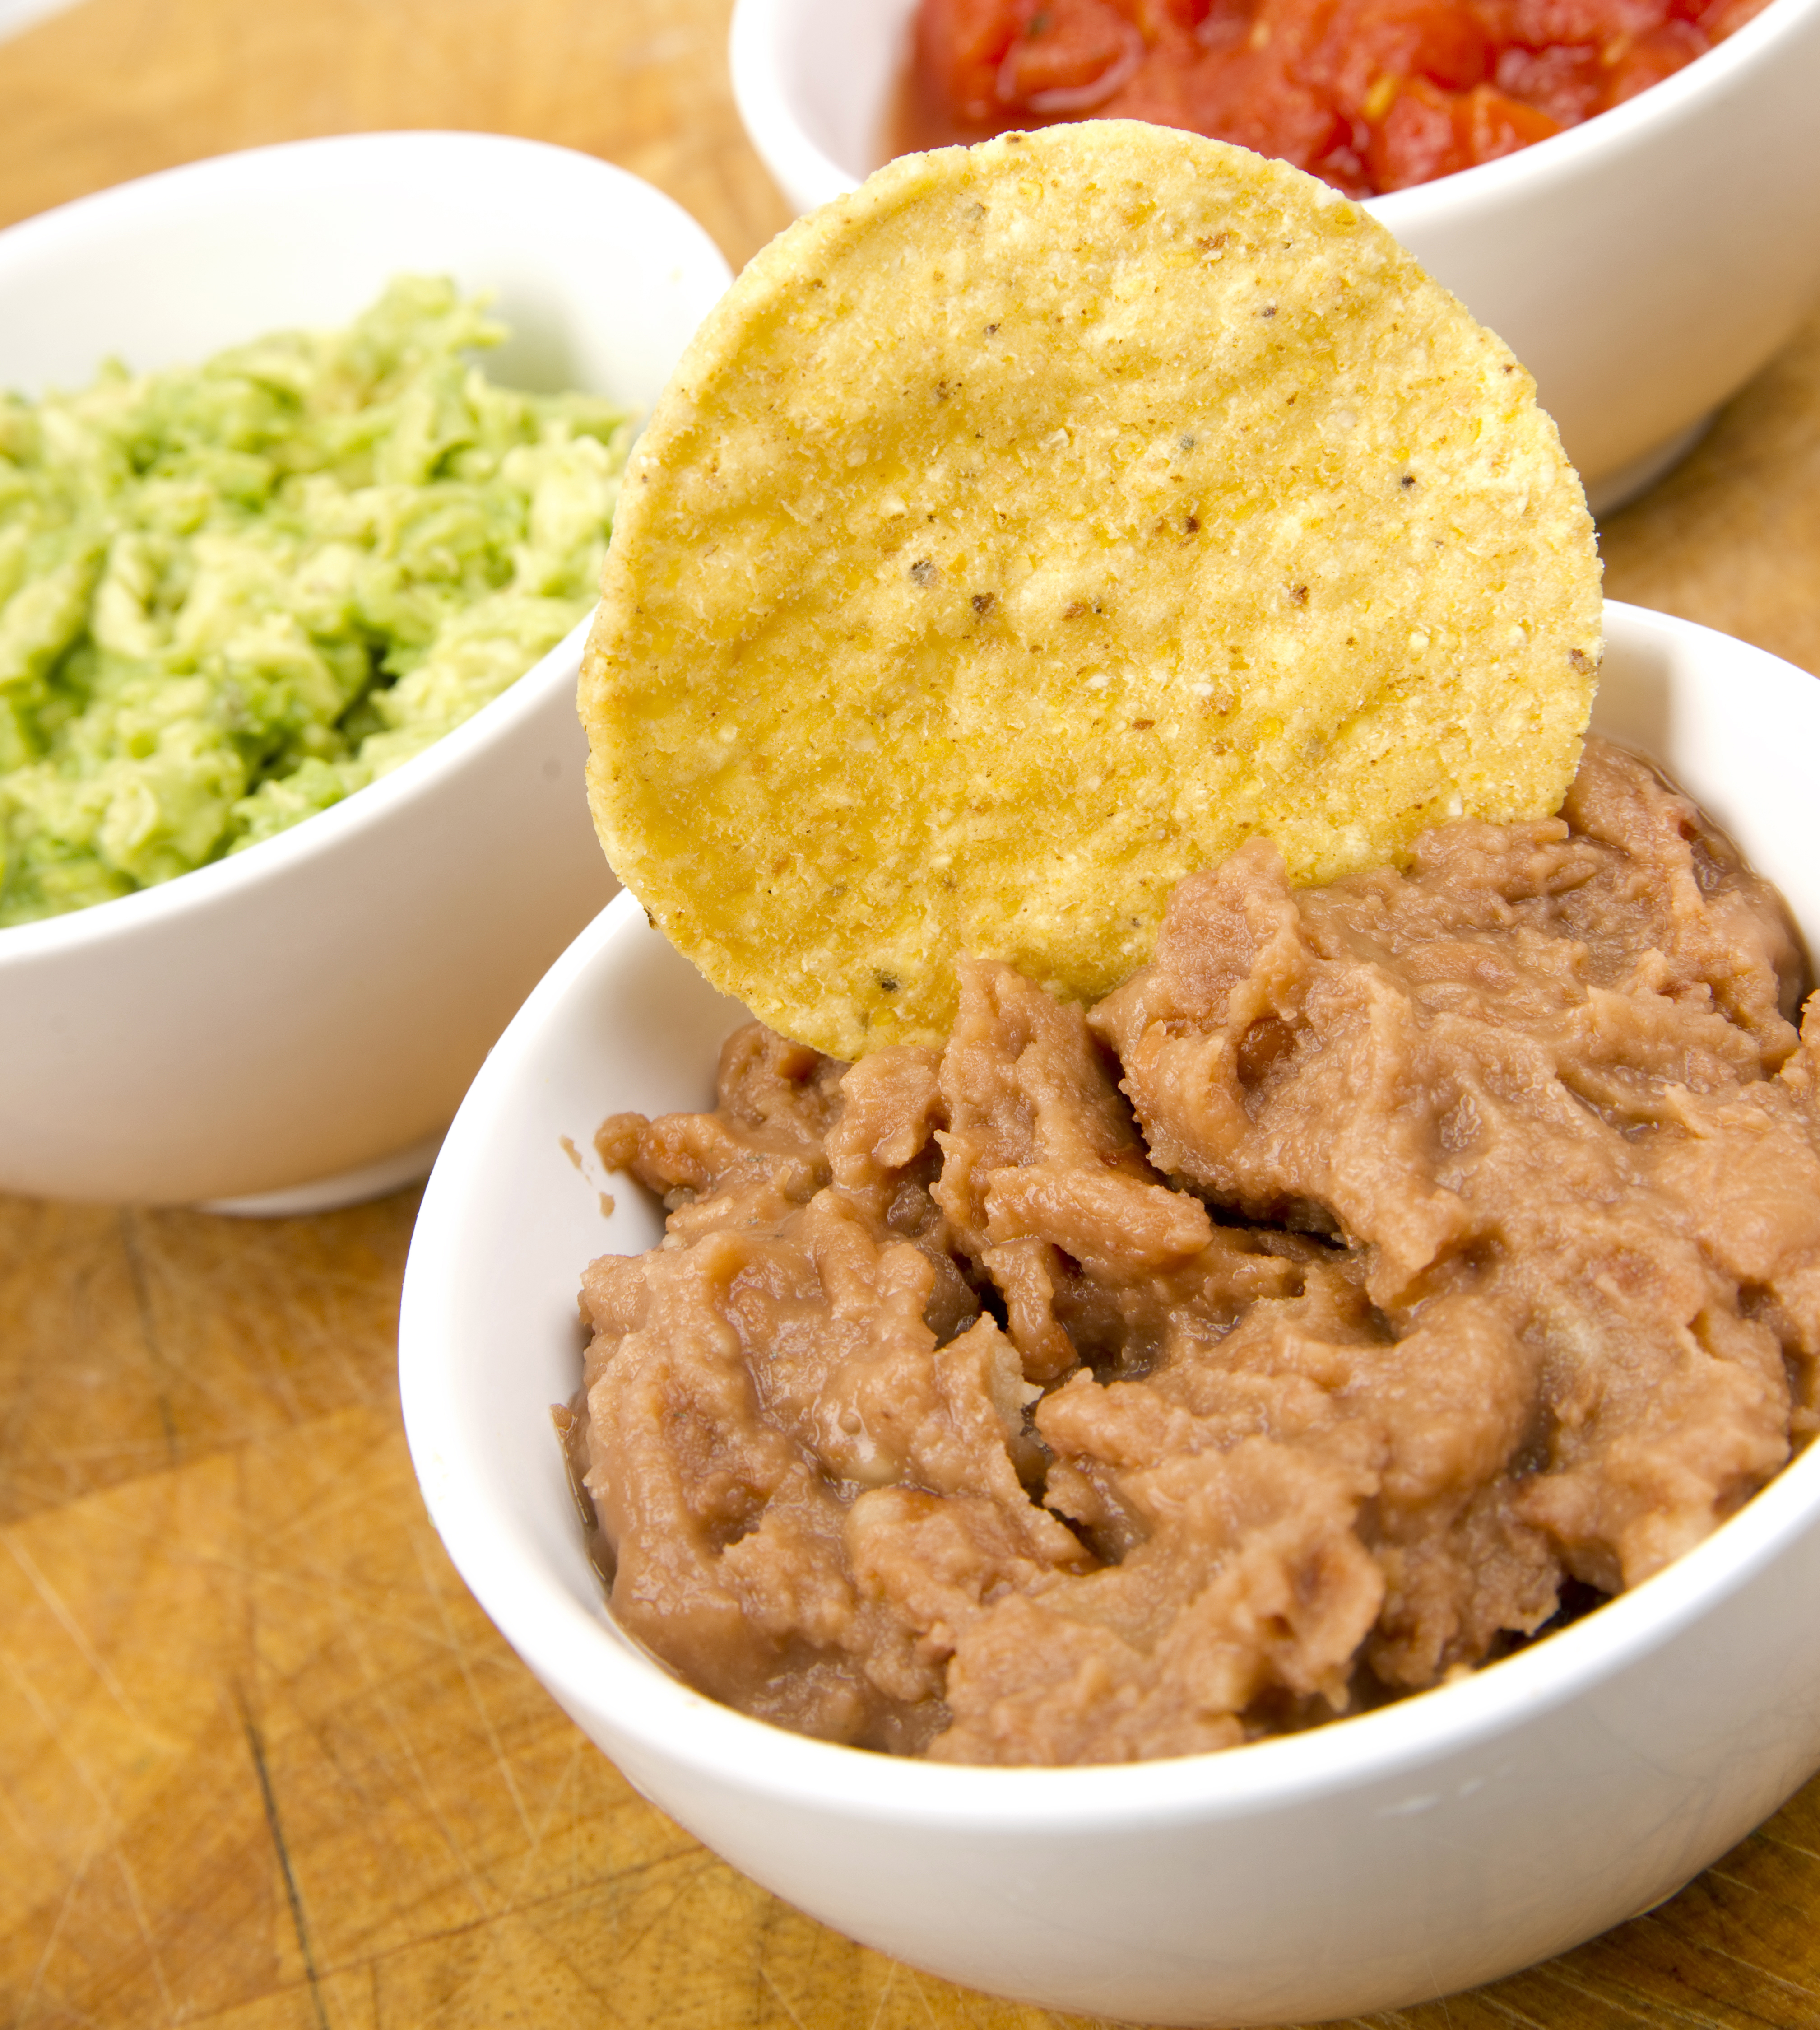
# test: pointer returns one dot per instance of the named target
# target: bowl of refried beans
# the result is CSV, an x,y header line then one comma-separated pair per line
x,y
1400,1573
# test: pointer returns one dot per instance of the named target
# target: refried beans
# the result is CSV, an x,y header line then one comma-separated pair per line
x,y
1382,1270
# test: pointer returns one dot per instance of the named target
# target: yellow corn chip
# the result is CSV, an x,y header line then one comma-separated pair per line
x,y
1028,529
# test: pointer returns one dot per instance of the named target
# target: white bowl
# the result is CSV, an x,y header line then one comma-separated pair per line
x,y
1642,266
1411,1852
306,1013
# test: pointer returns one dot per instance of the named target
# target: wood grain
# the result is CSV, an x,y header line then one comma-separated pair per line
x,y
263,1762
115,88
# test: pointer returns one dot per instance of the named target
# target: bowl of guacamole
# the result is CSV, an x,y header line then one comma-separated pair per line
x,y
308,458
233,593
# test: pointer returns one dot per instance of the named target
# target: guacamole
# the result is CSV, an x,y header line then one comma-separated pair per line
x,y
231,595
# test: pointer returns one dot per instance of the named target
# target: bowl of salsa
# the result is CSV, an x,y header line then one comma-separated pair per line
x,y
1627,191
1371,95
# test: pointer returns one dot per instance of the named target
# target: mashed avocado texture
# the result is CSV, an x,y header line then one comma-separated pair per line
x,y
230,595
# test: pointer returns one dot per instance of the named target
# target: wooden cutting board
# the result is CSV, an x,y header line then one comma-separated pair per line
x,y
262,1761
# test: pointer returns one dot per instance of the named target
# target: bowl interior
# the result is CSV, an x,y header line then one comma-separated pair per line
x,y
831,75
600,276
490,1339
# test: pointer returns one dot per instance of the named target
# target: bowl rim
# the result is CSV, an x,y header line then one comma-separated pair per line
x,y
592,1668
1564,156
326,832
770,118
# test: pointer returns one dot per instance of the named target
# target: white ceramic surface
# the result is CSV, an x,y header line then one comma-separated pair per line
x,y
17,16
1642,266
313,1006
1412,1852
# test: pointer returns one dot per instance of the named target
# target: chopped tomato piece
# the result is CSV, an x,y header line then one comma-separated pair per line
x,y
1499,125
1417,138
960,46
1368,42
1636,65
1429,132
1255,101
1567,83
1070,57
1725,17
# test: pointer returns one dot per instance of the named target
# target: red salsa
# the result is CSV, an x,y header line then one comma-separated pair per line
x,y
1372,95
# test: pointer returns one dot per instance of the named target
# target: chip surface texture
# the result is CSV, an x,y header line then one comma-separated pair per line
x,y
1028,529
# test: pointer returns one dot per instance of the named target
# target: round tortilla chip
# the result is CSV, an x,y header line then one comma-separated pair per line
x,y
1028,529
